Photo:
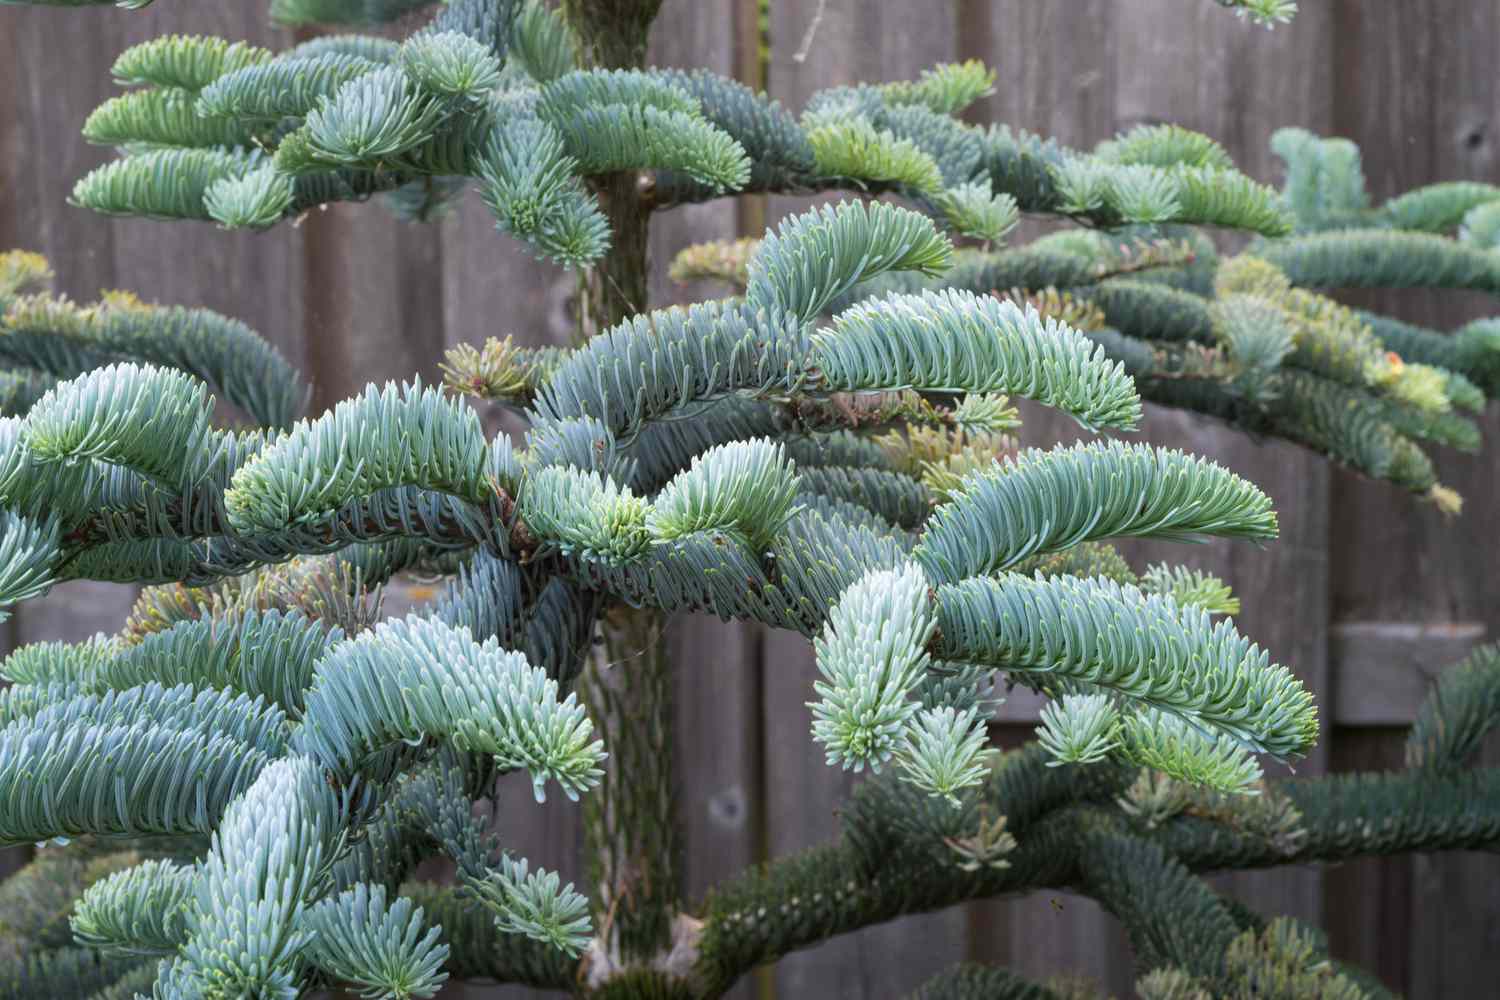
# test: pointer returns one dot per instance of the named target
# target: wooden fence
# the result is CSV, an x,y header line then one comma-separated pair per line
x,y
1366,594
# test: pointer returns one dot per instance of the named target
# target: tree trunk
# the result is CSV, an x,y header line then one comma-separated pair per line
x,y
630,822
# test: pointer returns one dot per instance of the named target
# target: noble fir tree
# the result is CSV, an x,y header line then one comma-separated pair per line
x,y
235,789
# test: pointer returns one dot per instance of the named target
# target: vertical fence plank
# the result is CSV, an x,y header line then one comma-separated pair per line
x,y
1369,900
1240,85
851,42
1422,110
1397,561
490,286
1081,75
375,315
716,669
42,154
1056,75
715,666
46,100
1452,939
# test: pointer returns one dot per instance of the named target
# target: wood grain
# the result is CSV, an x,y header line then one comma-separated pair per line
x,y
1412,91
852,41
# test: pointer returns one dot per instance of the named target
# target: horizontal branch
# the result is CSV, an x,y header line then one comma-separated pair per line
x,y
803,900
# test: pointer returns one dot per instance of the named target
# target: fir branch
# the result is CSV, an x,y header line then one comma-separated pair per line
x,y
375,49
812,258
1145,648
1177,748
781,158
360,939
946,750
351,12
28,558
469,931
1481,226
268,655
1041,502
1437,208
486,598
141,911
450,64
1194,587
163,184
480,697
159,780
254,200
288,87
893,497
152,119
1325,182
23,271
232,358
151,420
871,654
184,62
527,180
1079,729
1164,146
1456,714
855,152
586,515
541,43
974,210
39,664
614,137
246,929
385,438
251,721
40,895
718,260
649,366
568,95
63,972
373,117
1153,311
947,88
1351,428
1380,259
976,982
533,905
747,488
954,342
1172,918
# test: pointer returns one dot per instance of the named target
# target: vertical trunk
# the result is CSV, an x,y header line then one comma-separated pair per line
x,y
612,34
629,821
630,825
615,287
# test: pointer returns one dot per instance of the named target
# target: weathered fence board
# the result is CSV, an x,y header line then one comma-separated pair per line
x,y
1413,91
1363,592
844,41
1056,78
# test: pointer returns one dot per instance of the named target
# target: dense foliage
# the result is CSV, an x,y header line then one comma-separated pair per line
x,y
237,785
